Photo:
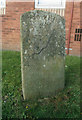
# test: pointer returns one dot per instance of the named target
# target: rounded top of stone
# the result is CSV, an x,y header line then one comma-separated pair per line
x,y
42,13
43,31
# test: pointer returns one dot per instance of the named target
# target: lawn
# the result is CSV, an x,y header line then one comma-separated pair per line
x,y
66,104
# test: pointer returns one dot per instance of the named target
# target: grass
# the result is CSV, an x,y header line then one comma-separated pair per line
x,y
66,104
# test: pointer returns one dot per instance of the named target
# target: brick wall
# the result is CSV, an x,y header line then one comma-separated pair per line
x,y
74,45
11,24
81,26
0,32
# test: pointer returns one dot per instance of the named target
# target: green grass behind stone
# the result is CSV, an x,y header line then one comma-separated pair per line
x,y
66,104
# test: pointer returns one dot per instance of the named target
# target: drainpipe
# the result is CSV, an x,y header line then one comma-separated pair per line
x,y
70,28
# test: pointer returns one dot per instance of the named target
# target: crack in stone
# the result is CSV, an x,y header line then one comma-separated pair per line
x,y
37,53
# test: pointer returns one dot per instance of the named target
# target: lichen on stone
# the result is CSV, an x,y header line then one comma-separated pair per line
x,y
43,51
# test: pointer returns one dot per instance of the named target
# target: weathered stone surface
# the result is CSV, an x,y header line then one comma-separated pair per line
x,y
42,53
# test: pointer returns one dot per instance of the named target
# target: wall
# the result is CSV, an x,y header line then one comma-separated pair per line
x,y
74,45
81,27
11,24
60,12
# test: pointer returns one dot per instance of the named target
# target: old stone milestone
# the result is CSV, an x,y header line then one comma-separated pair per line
x,y
42,54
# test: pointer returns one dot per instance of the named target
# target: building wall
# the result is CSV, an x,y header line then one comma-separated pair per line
x,y
81,27
11,24
74,45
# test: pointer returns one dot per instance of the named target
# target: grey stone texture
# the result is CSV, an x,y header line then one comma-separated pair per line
x,y
42,54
